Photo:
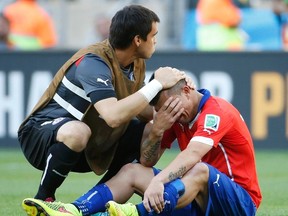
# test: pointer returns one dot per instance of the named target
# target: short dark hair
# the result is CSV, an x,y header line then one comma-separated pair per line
x,y
176,89
127,23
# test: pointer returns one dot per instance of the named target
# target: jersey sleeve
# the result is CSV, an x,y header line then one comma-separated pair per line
x,y
96,78
213,124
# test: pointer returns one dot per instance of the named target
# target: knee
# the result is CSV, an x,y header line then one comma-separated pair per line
x,y
129,170
75,135
81,136
200,171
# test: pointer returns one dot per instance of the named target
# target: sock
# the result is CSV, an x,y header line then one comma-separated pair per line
x,y
172,192
94,200
59,162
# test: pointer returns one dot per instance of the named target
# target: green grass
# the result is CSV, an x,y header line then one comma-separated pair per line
x,y
18,180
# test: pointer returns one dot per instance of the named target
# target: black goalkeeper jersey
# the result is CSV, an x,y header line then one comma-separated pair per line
x,y
87,81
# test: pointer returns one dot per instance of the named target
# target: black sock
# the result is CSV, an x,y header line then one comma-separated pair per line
x,y
59,162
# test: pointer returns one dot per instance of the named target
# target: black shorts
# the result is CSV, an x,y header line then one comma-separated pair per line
x,y
36,137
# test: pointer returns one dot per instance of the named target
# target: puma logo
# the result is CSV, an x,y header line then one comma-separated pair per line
x,y
217,179
103,81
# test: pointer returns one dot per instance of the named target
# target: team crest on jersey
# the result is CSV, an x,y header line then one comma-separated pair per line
x,y
211,122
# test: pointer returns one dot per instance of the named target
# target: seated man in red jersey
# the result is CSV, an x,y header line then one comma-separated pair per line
x,y
215,170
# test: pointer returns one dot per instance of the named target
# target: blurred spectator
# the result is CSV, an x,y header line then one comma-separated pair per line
x,y
31,26
280,8
192,4
242,3
5,43
102,27
218,27
188,37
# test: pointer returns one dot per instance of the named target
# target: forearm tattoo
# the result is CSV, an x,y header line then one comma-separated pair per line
x,y
180,172
151,151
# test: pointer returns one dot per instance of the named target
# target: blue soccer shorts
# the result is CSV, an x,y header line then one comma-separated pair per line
x,y
226,198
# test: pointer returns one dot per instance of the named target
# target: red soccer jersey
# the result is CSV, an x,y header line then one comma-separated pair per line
x,y
220,125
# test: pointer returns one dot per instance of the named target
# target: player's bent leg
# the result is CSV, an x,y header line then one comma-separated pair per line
x,y
35,207
132,177
226,197
196,188
74,134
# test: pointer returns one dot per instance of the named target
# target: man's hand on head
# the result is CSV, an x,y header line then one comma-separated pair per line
x,y
168,76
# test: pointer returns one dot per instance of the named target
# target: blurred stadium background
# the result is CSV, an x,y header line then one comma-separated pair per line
x,y
75,21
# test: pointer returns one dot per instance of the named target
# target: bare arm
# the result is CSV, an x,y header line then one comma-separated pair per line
x,y
184,161
178,167
146,114
151,151
115,112
166,116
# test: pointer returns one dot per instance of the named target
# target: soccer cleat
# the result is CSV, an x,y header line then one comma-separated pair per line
x,y
36,207
115,209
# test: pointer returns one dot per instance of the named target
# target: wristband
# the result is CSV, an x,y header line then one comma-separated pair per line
x,y
150,90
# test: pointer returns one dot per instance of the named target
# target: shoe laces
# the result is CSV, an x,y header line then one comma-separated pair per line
x,y
55,205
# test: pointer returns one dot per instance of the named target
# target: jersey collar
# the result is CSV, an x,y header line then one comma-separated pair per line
x,y
206,95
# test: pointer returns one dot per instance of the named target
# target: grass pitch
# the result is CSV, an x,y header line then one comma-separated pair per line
x,y
18,180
